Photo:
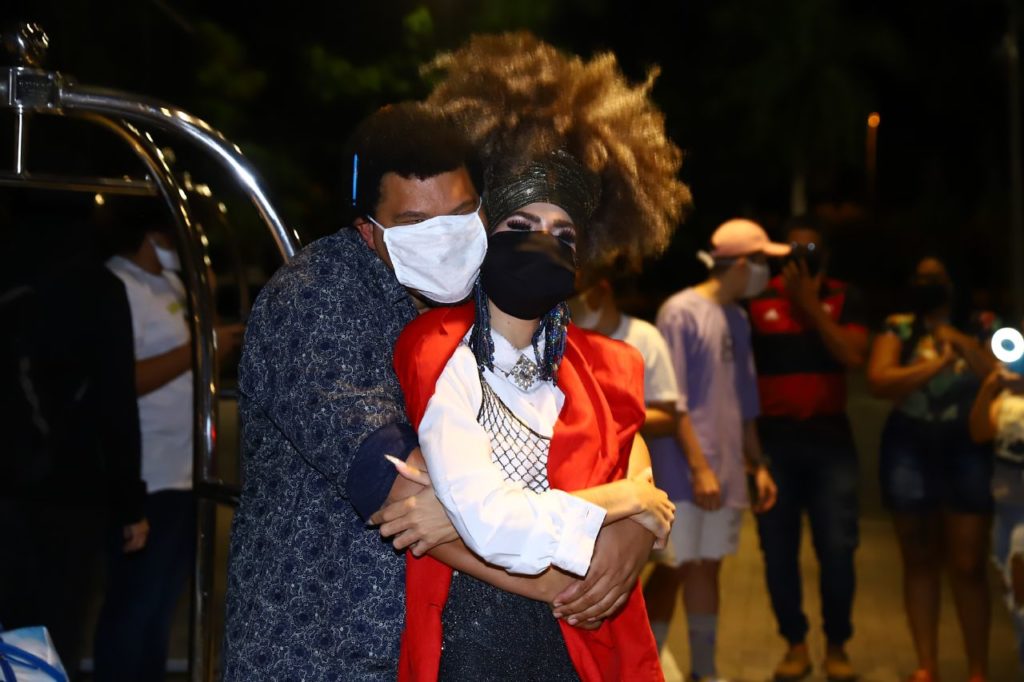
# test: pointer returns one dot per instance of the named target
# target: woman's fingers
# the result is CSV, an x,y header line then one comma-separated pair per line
x,y
409,472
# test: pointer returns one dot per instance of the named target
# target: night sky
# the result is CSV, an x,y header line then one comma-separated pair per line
x,y
748,87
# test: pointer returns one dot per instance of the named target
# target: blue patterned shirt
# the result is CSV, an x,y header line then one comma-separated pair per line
x,y
313,593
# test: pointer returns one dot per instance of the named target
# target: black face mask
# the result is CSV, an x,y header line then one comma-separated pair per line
x,y
526,274
928,296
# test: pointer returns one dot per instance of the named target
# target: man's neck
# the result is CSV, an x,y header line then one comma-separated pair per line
x,y
715,290
145,258
611,318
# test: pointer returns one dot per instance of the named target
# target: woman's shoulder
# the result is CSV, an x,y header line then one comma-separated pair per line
x,y
900,324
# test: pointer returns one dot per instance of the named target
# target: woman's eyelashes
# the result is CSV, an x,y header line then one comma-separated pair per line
x,y
520,225
566,234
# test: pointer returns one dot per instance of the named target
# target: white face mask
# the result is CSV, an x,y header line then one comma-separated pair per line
x,y
757,279
440,257
168,258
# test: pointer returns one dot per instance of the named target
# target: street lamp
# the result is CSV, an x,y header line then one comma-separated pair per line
x,y
871,155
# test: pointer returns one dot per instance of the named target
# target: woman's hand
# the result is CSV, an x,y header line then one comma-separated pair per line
x,y
418,523
658,511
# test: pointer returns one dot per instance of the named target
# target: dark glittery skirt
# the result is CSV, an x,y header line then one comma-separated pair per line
x,y
493,635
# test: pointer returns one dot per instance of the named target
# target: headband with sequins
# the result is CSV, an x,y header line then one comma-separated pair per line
x,y
556,178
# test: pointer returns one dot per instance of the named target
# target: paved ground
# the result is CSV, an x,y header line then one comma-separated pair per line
x,y
748,645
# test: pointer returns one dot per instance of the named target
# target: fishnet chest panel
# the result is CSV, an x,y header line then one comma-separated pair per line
x,y
521,452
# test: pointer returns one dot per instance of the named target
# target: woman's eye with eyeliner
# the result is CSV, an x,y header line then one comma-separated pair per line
x,y
519,225
567,237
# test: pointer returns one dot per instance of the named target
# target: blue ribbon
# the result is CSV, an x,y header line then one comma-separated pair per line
x,y
355,176
12,654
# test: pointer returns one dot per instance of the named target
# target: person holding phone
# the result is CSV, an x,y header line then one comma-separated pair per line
x,y
997,417
807,333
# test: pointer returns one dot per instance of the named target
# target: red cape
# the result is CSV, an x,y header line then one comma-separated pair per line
x,y
603,384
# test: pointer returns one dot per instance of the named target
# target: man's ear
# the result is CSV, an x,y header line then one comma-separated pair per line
x,y
365,229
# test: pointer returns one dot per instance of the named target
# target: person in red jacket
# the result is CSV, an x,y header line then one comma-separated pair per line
x,y
528,428
549,475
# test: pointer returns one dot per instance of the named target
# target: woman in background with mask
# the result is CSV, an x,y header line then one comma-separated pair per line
x,y
934,479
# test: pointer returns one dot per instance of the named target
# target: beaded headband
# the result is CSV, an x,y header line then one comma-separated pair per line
x,y
556,178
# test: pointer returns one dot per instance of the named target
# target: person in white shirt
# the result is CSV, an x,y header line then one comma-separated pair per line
x,y
597,308
144,587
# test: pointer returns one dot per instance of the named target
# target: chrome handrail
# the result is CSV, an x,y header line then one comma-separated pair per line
x,y
29,89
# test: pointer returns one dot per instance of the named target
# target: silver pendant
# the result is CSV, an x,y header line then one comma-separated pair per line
x,y
524,373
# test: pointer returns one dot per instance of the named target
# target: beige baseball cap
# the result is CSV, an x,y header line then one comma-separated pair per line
x,y
740,237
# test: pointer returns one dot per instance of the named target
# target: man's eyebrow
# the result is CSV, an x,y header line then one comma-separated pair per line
x,y
411,215
464,206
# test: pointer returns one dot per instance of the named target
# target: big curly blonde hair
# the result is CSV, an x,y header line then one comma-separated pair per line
x,y
519,97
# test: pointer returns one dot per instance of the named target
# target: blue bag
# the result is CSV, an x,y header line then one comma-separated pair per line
x,y
28,655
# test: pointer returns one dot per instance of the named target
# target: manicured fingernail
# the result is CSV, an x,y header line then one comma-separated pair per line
x,y
394,460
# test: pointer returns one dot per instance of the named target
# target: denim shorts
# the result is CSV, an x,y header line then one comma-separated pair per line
x,y
927,466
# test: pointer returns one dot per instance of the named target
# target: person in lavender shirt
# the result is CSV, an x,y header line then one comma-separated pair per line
x,y
705,467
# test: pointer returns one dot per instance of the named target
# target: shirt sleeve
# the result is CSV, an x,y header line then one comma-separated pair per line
x,y
746,372
371,476
673,328
317,364
659,380
503,522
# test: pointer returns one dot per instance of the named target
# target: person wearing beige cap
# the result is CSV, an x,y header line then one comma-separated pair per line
x,y
706,467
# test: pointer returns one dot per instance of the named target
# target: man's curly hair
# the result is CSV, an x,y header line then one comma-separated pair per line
x,y
519,97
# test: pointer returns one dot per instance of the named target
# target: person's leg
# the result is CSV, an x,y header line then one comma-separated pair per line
x,y
50,582
719,537
1008,542
967,537
174,514
969,470
920,538
833,513
128,645
700,597
664,583
909,482
779,531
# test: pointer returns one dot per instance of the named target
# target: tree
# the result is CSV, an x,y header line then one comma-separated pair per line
x,y
796,77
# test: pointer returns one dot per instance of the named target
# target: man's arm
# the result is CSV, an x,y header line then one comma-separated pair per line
x,y
321,375
848,344
661,420
764,484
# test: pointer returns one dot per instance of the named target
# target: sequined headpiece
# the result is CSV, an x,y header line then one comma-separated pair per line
x,y
556,178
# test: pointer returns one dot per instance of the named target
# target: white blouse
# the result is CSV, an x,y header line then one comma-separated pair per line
x,y
503,521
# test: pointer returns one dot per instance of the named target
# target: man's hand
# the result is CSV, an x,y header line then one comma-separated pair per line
x,y
229,339
418,523
707,493
135,535
767,491
620,553
803,287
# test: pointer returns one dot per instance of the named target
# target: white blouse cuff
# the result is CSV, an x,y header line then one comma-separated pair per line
x,y
581,523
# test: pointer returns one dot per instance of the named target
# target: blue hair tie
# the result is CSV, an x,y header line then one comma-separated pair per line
x,y
355,176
